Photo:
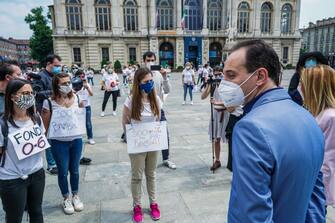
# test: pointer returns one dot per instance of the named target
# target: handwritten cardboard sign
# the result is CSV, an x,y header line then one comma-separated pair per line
x,y
67,122
146,137
28,141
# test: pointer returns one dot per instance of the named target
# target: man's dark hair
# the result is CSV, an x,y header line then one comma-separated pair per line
x,y
50,58
7,68
148,54
218,68
206,65
260,54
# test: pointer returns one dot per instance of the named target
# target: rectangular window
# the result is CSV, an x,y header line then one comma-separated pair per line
x,y
105,53
132,54
76,55
285,55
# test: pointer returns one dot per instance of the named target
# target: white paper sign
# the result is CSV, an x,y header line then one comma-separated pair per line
x,y
28,141
146,137
67,122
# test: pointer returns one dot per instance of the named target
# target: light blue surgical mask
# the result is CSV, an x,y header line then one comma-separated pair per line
x,y
56,70
310,63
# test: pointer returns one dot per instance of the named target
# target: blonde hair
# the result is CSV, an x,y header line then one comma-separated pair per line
x,y
318,86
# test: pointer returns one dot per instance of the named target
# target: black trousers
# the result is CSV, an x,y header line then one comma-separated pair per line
x,y
107,94
18,194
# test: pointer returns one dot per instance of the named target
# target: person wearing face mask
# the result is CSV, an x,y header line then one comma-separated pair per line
x,y
188,82
143,106
22,178
111,83
8,70
162,86
318,89
306,60
220,117
53,67
278,147
66,149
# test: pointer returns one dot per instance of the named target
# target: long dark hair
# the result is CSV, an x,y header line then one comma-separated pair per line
x,y
55,88
12,88
137,104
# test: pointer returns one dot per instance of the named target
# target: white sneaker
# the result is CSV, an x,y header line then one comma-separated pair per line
x,y
169,164
77,204
102,114
191,102
114,113
184,103
67,206
91,142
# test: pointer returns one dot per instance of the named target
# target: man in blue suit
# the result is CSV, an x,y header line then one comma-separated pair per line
x,y
278,147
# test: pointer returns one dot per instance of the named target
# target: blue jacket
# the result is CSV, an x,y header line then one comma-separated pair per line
x,y
278,151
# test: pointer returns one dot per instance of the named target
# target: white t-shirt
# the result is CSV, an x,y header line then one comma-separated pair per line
x,y
15,168
125,72
85,96
111,81
188,76
57,106
146,115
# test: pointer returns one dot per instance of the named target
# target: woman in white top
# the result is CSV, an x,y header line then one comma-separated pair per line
x,y
61,118
188,81
111,83
143,106
22,178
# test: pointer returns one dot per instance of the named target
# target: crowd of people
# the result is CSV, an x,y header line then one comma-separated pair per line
x,y
281,145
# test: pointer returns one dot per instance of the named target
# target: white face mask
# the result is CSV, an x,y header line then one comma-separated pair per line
x,y
65,89
149,64
232,94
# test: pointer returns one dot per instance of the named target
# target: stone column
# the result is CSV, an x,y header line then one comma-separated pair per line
x,y
179,51
296,15
152,16
117,17
178,15
88,10
205,50
204,19
277,18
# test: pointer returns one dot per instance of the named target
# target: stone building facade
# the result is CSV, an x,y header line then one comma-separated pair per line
x,y
86,32
320,37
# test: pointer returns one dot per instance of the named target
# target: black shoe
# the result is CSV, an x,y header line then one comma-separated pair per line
x,y
53,170
216,165
85,161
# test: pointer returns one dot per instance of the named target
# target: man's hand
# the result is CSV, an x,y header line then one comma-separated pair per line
x,y
163,73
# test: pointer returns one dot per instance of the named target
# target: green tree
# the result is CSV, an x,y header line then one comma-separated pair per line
x,y
41,41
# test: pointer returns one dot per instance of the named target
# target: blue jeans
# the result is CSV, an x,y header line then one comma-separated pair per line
x,y
50,160
89,127
67,156
190,89
90,79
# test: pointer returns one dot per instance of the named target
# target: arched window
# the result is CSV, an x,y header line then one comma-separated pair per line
x,y
73,15
266,15
243,17
130,15
103,14
214,15
286,18
193,15
165,15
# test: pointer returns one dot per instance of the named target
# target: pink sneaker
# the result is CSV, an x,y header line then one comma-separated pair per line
x,y
138,215
155,213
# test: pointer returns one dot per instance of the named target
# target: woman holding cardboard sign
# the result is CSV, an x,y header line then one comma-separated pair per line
x,y
22,139
65,121
143,106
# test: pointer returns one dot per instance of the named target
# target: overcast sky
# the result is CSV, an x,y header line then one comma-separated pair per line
x,y
12,13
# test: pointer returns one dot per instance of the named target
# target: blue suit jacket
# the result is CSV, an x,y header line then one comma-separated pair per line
x,y
278,151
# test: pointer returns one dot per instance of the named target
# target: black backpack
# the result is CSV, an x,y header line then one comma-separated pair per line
x,y
4,130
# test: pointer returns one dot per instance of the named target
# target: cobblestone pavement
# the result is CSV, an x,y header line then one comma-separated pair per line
x,y
189,194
